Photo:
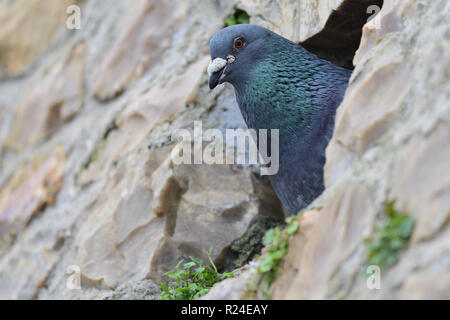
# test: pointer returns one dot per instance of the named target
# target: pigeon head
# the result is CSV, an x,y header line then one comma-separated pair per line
x,y
234,50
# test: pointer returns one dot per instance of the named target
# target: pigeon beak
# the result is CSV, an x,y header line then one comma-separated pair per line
x,y
216,71
215,78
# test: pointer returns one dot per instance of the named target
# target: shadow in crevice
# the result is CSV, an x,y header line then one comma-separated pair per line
x,y
341,36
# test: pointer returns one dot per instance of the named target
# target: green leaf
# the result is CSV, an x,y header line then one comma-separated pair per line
x,y
277,255
196,260
266,265
269,236
200,270
293,227
228,274
211,261
189,265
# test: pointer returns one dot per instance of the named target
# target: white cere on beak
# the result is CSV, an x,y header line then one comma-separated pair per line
x,y
216,65
230,59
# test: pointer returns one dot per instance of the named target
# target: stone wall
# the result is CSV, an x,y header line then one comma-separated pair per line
x,y
87,178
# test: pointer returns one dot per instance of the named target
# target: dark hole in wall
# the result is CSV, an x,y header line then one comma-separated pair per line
x,y
341,36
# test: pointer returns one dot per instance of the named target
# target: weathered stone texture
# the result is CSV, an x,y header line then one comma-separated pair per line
x,y
87,175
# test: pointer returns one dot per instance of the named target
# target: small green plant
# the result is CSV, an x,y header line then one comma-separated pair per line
x,y
193,280
279,245
390,238
237,16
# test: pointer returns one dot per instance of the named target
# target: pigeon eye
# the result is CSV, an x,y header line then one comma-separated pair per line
x,y
238,43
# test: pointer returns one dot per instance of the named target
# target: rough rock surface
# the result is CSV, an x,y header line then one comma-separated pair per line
x,y
26,33
53,101
89,192
148,27
295,20
32,187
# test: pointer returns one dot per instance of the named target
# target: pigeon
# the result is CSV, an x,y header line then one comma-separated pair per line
x,y
280,85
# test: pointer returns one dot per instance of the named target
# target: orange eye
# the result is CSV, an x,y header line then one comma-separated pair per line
x,y
238,43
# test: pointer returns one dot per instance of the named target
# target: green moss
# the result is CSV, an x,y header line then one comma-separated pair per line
x,y
390,238
237,16
278,241
192,281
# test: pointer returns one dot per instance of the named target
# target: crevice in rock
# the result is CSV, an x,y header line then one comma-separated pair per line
x,y
53,120
100,144
237,16
341,36
246,248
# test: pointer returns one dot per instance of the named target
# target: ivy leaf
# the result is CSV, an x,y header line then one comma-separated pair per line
x,y
269,236
293,227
